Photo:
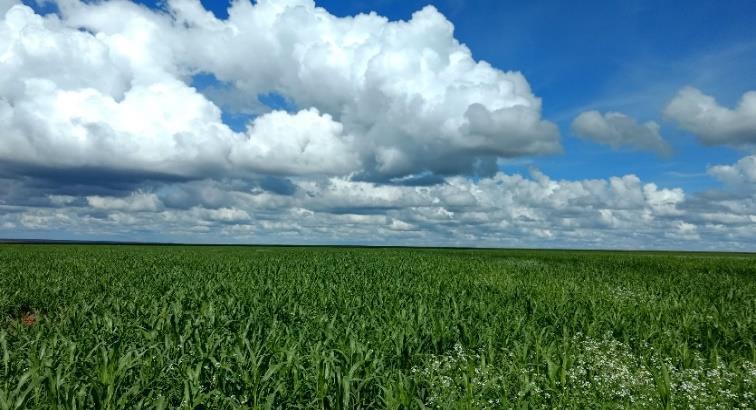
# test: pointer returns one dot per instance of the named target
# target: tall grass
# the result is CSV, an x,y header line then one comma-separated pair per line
x,y
227,327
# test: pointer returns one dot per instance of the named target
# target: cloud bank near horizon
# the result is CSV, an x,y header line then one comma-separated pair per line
x,y
393,133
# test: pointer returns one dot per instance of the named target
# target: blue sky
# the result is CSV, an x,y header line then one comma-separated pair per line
x,y
678,162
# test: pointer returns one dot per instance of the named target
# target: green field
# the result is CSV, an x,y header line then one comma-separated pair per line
x,y
224,327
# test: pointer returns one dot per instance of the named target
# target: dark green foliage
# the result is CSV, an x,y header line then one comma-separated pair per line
x,y
227,327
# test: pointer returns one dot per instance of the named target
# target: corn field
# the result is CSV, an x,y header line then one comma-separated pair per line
x,y
106,326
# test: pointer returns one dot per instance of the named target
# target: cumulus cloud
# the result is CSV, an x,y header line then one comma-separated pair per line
x,y
619,130
318,141
663,202
223,214
712,123
136,202
72,99
501,210
741,173
410,96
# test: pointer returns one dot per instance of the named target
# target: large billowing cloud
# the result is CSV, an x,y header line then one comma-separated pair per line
x,y
411,93
712,123
106,86
72,99
619,130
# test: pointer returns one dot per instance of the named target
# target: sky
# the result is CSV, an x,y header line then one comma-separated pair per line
x,y
611,124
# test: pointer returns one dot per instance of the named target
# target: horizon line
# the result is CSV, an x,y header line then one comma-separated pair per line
x,y
46,241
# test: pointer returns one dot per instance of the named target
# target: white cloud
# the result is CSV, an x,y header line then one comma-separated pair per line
x,y
304,143
61,200
165,128
409,93
663,201
45,219
5,5
398,225
387,98
619,130
68,100
741,173
224,214
136,202
502,210
685,231
712,123
71,99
